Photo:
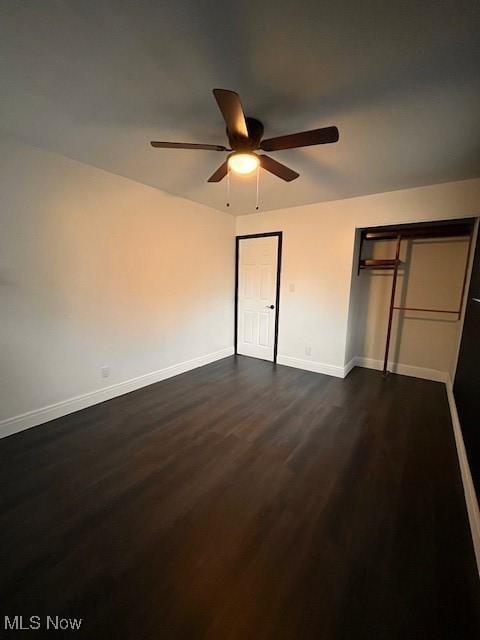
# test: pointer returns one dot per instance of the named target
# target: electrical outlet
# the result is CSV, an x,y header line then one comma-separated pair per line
x,y
291,287
308,351
105,371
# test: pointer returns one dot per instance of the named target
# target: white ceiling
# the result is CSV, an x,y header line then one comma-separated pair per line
x,y
96,80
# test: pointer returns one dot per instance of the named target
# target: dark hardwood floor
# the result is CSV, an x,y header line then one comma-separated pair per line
x,y
244,501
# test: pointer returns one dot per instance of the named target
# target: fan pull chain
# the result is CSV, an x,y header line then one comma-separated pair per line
x,y
258,180
228,185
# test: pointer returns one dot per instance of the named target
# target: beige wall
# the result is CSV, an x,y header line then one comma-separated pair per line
x,y
317,263
431,276
97,270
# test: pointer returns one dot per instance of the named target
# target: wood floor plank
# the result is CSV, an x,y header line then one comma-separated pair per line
x,y
244,500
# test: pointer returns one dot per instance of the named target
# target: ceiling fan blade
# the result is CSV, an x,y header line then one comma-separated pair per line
x,y
187,145
278,169
220,173
303,139
232,111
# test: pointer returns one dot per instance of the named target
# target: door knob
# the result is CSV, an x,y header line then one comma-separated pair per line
x,y
476,299
270,306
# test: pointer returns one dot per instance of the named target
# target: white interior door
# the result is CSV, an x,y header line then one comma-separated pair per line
x,y
257,285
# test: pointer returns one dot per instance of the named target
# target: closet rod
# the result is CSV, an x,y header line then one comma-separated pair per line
x,y
429,310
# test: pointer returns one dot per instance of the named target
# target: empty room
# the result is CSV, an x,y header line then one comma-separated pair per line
x,y
240,320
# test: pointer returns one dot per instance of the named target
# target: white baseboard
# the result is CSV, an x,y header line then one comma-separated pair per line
x,y
367,363
468,488
349,366
312,365
403,369
50,412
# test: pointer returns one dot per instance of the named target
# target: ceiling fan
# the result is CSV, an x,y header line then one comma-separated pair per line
x,y
245,137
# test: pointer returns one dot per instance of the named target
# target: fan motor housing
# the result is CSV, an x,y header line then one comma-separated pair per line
x,y
255,133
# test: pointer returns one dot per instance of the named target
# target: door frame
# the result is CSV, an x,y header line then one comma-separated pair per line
x,y
279,235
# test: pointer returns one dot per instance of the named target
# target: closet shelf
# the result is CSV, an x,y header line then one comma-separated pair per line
x,y
380,264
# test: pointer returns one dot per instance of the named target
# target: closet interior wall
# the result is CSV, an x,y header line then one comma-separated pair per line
x,y
430,283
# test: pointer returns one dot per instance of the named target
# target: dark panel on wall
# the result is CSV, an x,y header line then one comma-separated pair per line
x,y
467,379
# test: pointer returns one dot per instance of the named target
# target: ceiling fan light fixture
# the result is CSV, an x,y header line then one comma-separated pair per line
x,y
243,163
245,135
